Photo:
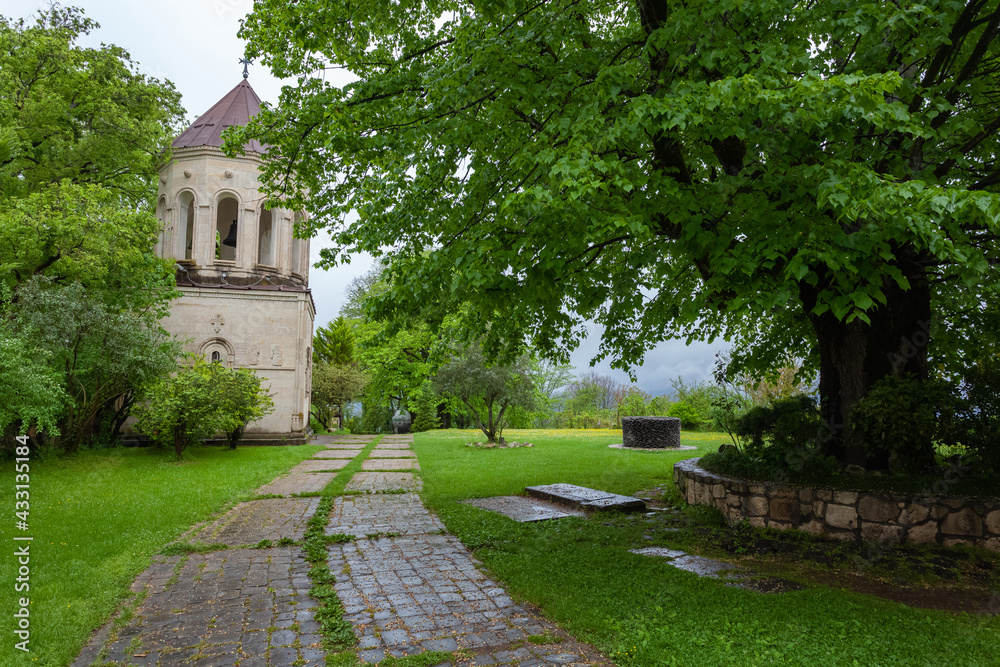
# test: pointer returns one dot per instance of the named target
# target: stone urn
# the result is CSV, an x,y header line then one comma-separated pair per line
x,y
401,422
651,432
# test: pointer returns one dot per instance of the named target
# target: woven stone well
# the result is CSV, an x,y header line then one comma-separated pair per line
x,y
651,432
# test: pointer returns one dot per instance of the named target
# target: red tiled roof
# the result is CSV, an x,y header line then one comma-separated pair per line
x,y
238,106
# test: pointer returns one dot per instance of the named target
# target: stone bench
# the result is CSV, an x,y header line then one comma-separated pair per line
x,y
584,498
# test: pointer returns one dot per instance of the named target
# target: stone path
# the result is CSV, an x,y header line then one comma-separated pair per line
x,y
244,607
406,585
303,482
376,482
401,513
249,523
390,464
320,465
337,454
417,593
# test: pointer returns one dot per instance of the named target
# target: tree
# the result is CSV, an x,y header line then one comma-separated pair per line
x,y
399,356
550,377
801,178
31,395
81,134
199,401
489,392
594,392
244,400
333,387
105,355
77,114
334,343
426,406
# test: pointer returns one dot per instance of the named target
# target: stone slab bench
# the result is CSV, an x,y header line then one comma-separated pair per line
x,y
584,498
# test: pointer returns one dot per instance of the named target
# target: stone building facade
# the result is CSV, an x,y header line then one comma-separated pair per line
x,y
243,276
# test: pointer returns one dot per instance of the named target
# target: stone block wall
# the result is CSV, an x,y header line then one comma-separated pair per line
x,y
845,515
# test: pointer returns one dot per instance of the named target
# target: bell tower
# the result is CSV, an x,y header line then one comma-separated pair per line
x,y
243,276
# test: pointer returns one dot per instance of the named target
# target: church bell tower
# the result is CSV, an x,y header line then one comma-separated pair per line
x,y
243,276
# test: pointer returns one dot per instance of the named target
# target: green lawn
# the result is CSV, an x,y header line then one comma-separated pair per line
x,y
98,516
640,610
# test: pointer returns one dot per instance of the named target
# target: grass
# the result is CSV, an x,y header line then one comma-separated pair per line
x,y
642,611
97,517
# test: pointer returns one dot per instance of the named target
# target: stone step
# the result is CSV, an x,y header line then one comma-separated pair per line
x,y
584,498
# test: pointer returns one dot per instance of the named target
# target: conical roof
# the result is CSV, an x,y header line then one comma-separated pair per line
x,y
238,106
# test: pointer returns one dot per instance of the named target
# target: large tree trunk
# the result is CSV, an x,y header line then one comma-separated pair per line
x,y
854,356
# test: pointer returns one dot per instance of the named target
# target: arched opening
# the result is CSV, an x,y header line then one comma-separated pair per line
x,y
218,351
186,225
225,228
265,238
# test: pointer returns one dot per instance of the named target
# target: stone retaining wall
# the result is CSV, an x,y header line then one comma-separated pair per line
x,y
846,515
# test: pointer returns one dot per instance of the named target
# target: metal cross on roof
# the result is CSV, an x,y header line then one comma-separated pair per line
x,y
245,62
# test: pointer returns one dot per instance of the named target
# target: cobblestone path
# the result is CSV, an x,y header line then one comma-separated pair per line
x,y
406,585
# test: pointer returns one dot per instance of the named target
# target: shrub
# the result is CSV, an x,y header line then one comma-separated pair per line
x,y
901,419
728,406
981,388
783,437
688,415
201,400
426,408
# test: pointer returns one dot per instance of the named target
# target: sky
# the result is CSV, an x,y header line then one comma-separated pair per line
x,y
194,45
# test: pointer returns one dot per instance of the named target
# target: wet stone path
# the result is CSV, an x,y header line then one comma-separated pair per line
x,y
406,585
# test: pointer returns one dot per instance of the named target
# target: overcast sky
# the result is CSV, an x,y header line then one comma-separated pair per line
x,y
193,44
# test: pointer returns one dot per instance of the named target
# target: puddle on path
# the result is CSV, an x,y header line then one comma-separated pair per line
x,y
729,574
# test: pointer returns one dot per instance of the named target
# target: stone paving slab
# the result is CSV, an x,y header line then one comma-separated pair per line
x,y
337,454
398,513
524,510
589,499
392,445
329,439
384,481
319,465
397,438
390,464
411,594
392,454
250,522
217,610
346,445
303,482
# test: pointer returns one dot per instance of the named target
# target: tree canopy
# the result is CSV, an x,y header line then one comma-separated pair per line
x,y
81,292
490,393
74,113
816,179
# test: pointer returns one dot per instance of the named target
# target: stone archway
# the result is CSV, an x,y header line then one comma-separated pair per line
x,y
218,350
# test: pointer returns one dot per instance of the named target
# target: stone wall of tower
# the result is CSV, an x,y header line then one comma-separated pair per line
x,y
195,185
268,332
245,312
